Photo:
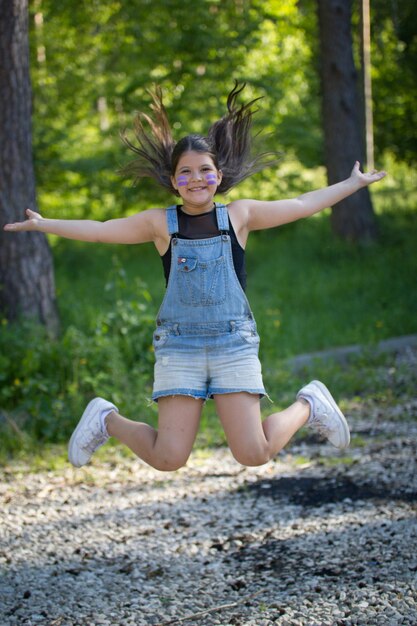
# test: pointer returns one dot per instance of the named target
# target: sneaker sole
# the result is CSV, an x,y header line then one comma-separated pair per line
x,y
87,412
346,440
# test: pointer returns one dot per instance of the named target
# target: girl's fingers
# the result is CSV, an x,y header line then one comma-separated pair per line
x,y
27,224
31,213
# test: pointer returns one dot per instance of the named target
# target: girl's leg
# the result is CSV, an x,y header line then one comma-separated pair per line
x,y
169,447
252,441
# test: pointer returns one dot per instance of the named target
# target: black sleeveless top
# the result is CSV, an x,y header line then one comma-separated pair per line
x,y
204,226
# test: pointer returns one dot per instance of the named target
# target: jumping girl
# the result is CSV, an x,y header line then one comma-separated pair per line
x,y
206,343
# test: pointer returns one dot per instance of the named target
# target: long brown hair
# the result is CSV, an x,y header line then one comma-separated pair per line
x,y
228,142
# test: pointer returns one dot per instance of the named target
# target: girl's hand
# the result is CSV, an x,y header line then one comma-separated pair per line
x,y
29,224
366,178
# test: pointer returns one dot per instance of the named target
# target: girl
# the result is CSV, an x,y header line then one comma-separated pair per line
x,y
206,343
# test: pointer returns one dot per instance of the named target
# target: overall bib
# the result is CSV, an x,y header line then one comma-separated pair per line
x,y
206,340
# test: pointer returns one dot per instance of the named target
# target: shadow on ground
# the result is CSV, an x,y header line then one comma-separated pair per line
x,y
315,491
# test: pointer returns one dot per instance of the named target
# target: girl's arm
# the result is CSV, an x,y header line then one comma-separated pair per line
x,y
139,228
260,215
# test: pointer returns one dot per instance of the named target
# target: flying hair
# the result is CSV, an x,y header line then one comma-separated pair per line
x,y
154,146
228,141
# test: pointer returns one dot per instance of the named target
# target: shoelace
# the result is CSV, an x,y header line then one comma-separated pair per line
x,y
318,425
92,444
320,428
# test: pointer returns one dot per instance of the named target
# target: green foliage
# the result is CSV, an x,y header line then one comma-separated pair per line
x,y
45,384
394,57
190,51
92,64
308,290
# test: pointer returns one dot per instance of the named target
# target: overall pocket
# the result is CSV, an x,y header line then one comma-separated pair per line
x,y
247,331
201,283
160,337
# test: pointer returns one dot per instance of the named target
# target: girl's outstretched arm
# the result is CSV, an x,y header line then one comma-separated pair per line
x,y
260,215
139,228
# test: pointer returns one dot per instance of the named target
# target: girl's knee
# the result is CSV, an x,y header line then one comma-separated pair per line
x,y
172,460
252,455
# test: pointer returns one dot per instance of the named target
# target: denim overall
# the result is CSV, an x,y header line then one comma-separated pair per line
x,y
206,340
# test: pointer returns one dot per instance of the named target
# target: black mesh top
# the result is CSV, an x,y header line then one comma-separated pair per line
x,y
204,226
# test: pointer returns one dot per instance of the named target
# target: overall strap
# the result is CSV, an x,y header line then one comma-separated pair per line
x,y
222,218
172,219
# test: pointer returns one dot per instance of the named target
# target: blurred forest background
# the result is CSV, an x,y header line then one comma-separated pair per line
x,y
91,66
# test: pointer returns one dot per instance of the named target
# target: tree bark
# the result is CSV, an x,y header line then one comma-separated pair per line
x,y
26,267
353,219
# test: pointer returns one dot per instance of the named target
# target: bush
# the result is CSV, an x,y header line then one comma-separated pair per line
x,y
45,384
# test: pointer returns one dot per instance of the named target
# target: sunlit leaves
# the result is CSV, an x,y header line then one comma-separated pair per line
x,y
101,57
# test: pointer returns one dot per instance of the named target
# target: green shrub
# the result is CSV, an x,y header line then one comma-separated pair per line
x,y
45,384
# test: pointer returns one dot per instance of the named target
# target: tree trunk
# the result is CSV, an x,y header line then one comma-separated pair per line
x,y
26,268
353,219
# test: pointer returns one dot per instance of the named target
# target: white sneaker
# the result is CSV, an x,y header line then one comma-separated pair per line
x,y
325,416
88,435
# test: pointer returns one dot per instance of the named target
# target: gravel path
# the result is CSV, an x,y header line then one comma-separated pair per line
x,y
316,537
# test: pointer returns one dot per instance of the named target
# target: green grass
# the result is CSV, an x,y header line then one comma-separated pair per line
x,y
311,292
308,290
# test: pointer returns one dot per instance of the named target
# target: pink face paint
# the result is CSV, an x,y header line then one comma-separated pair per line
x,y
211,179
182,181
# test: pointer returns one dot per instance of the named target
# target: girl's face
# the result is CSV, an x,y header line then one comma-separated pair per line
x,y
196,179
